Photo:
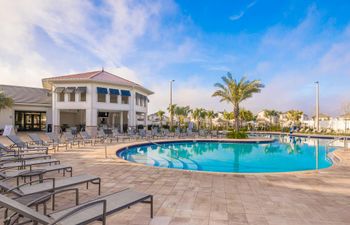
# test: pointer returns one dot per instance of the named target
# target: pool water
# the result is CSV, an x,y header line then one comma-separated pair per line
x,y
284,155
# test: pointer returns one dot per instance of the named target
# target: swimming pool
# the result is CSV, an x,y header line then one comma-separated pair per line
x,y
285,154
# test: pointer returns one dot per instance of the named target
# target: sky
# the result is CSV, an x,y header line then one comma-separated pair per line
x,y
288,45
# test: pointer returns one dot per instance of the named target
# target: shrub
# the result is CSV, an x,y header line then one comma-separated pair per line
x,y
236,135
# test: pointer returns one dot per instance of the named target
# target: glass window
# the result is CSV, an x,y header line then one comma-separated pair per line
x,y
113,98
101,97
83,97
72,97
125,99
61,97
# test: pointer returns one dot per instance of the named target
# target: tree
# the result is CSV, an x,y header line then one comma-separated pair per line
x,y
246,115
228,116
235,92
210,116
198,114
5,101
294,116
171,110
270,114
160,114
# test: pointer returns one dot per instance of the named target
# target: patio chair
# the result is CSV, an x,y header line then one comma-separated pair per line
x,y
55,140
38,171
24,146
97,209
8,155
71,139
30,163
49,185
86,138
37,140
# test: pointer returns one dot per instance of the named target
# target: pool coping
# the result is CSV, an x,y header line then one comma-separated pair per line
x,y
333,156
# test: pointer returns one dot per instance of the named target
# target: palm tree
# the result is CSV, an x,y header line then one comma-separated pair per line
x,y
210,116
228,116
294,116
198,114
171,110
5,101
270,114
234,92
160,114
246,115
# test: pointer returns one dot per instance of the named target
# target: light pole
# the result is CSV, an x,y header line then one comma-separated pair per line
x,y
171,104
317,116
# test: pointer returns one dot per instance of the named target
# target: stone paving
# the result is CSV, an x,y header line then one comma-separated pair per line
x,y
198,198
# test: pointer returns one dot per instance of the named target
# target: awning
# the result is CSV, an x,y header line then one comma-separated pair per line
x,y
59,89
125,93
114,91
69,90
81,90
101,90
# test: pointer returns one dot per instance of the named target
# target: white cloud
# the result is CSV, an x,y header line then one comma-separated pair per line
x,y
237,17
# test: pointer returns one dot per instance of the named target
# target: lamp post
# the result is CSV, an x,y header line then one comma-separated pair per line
x,y
317,119
171,104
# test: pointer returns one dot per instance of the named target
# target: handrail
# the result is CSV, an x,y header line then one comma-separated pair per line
x,y
334,140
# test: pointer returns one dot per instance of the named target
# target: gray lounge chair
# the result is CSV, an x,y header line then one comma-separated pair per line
x,y
24,146
70,139
97,209
30,163
9,155
86,138
8,174
56,141
50,184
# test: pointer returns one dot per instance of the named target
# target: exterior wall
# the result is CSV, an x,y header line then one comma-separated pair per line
x,y
92,107
7,116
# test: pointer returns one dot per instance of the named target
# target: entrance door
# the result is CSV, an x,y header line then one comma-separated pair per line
x,y
30,121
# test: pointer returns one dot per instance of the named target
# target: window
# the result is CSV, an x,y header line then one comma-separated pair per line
x,y
61,97
83,97
113,98
72,97
101,97
125,99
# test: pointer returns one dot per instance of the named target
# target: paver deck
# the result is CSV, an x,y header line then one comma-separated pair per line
x,y
197,198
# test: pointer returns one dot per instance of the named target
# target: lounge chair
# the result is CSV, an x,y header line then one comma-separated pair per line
x,y
9,155
30,163
86,138
71,139
97,209
8,174
24,146
49,184
56,141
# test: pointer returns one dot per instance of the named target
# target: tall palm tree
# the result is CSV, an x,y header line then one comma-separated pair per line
x,y
5,101
234,92
210,116
171,110
160,114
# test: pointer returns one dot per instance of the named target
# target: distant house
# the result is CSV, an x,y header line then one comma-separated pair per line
x,y
154,119
322,117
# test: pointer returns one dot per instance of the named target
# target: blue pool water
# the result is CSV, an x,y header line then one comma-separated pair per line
x,y
283,155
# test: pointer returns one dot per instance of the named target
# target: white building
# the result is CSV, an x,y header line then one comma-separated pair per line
x,y
90,100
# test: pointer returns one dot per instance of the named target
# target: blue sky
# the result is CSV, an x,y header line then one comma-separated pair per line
x,y
286,44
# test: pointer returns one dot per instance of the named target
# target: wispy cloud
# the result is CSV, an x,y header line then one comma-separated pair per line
x,y
242,13
237,17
